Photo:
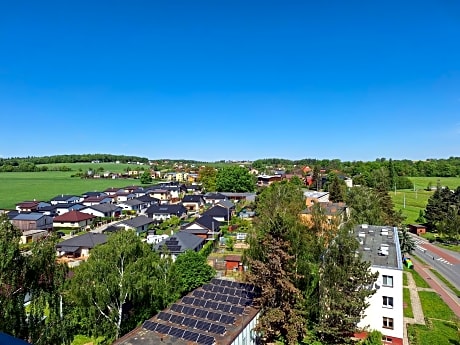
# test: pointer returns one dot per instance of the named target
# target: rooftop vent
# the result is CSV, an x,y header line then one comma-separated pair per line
x,y
364,226
367,249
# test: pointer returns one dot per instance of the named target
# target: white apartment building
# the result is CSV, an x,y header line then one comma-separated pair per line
x,y
380,246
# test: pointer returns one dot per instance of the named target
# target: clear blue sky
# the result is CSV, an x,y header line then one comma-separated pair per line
x,y
211,80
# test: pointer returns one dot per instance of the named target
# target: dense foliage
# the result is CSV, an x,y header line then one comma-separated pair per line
x,y
312,287
234,178
192,270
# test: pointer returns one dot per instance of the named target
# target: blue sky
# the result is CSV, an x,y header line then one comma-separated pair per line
x,y
211,80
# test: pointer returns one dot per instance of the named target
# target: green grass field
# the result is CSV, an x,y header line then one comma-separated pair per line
x,y
112,167
408,303
21,186
412,201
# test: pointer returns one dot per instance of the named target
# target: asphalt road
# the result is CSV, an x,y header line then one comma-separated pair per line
x,y
442,260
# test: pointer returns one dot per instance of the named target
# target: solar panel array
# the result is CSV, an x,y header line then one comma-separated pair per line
x,y
179,333
211,309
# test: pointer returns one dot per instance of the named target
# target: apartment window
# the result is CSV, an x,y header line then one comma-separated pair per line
x,y
387,322
388,281
387,302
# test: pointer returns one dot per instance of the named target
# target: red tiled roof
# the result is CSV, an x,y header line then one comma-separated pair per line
x,y
236,258
73,216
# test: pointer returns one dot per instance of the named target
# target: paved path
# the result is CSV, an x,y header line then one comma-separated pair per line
x,y
448,297
417,310
441,253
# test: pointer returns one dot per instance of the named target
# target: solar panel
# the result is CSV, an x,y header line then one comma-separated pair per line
x,y
164,316
187,300
218,329
198,293
205,340
234,300
212,305
225,307
216,281
189,335
190,322
164,329
227,319
207,295
213,316
203,325
174,243
176,332
149,325
174,248
188,310
176,307
237,310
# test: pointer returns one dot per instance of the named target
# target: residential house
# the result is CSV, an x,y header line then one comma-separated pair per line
x,y
160,194
148,200
193,203
29,236
96,199
219,213
235,197
74,219
233,263
179,243
80,246
205,227
62,208
124,196
66,199
193,188
266,180
133,205
111,191
192,177
163,212
221,312
103,210
313,196
335,213
214,198
32,221
380,246
95,193
139,224
28,206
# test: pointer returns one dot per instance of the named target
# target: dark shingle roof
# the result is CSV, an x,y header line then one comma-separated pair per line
x,y
88,240
175,209
208,222
192,198
217,211
180,242
105,207
137,221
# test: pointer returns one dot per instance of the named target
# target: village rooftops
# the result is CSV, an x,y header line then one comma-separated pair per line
x,y
379,245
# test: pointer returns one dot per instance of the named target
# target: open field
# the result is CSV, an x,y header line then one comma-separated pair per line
x,y
411,201
112,167
20,186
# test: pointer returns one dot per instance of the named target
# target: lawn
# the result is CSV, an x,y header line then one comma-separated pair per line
x,y
411,201
438,333
112,167
419,281
20,186
405,279
407,303
434,307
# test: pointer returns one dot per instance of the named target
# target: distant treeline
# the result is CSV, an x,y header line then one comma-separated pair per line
x,y
28,164
431,167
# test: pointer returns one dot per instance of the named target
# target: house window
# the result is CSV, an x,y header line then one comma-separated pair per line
x,y
388,281
386,339
387,323
387,302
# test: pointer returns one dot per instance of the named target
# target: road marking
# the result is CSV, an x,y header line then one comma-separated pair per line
x,y
444,261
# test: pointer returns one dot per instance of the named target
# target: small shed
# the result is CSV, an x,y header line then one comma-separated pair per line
x,y
233,263
417,229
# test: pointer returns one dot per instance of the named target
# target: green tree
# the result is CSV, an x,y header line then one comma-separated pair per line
x,y
35,275
124,271
391,174
437,207
337,189
207,178
193,271
345,279
236,179
373,338
406,243
146,177
230,243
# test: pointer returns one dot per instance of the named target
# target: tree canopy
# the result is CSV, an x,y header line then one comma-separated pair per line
x,y
235,179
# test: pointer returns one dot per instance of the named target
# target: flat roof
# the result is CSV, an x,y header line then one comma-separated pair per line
x,y
379,245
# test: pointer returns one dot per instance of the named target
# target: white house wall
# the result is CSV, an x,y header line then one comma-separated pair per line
x,y
376,311
247,336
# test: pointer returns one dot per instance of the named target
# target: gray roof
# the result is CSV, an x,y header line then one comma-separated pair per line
x,y
105,207
29,216
193,198
64,197
137,221
88,240
226,204
373,238
180,242
132,202
207,222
